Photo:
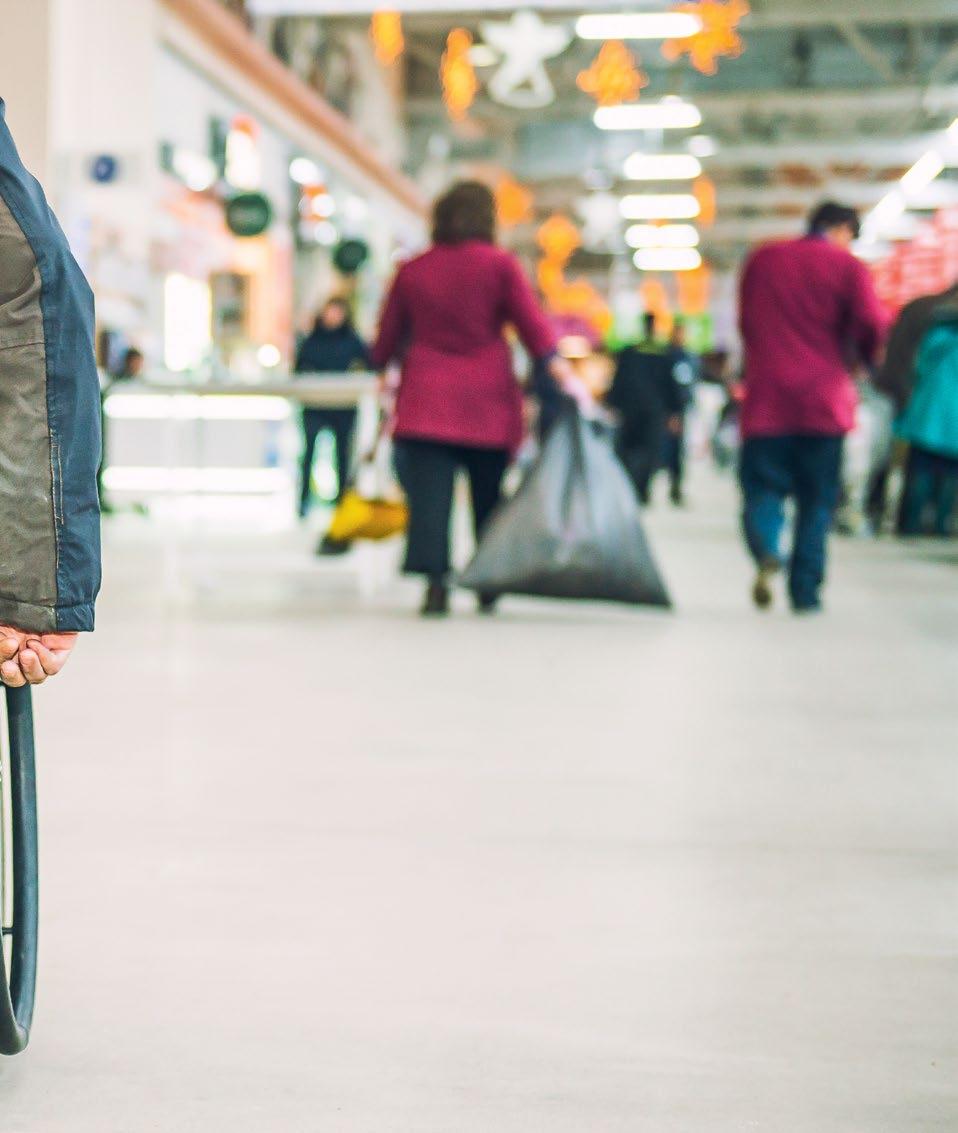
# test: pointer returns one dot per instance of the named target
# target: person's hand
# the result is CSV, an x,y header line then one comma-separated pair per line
x,y
31,658
675,425
564,375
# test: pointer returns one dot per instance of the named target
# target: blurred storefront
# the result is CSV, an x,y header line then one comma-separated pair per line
x,y
208,193
205,189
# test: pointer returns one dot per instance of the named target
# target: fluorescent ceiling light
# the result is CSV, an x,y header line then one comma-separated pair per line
x,y
638,25
890,206
923,172
660,206
661,236
662,167
667,259
703,146
305,171
669,114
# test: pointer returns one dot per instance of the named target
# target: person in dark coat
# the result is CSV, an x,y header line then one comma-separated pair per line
x,y
896,376
646,399
684,375
459,405
332,347
896,379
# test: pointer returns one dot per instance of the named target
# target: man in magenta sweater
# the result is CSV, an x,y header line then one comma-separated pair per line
x,y
808,314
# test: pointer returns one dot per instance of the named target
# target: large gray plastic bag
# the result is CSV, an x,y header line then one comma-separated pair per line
x,y
573,528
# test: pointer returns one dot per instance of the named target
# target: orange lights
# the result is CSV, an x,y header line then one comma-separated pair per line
x,y
613,77
458,75
558,238
385,30
719,35
513,203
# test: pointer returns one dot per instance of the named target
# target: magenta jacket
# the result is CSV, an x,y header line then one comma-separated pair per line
x,y
444,320
808,311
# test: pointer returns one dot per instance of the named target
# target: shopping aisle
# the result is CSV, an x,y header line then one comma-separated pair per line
x,y
311,865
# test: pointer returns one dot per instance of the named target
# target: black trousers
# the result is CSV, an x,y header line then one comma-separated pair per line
x,y
674,460
427,471
342,424
640,450
930,493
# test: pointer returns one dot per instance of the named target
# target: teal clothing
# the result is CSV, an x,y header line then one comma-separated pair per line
x,y
930,420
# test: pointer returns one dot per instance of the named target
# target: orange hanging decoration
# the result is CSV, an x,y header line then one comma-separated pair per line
x,y
386,32
459,82
513,203
703,189
558,238
718,37
613,77
695,290
550,279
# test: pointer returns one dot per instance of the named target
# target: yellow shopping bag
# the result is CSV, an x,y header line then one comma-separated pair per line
x,y
361,517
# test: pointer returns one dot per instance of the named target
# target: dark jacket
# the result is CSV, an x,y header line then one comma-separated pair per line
x,y
332,352
645,393
445,318
807,308
49,415
896,377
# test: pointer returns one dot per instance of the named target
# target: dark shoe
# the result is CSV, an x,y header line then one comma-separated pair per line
x,y
677,497
488,603
806,608
436,602
329,546
762,593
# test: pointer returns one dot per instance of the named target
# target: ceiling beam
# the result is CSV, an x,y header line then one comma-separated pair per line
x,y
771,13
833,107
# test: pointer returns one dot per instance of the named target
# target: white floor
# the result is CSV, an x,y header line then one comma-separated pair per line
x,y
311,866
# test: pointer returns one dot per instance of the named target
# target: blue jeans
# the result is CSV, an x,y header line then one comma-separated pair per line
x,y
807,469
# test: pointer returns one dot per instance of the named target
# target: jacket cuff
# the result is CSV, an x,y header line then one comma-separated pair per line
x,y
31,618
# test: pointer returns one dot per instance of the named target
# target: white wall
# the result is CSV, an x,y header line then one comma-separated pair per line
x,y
26,47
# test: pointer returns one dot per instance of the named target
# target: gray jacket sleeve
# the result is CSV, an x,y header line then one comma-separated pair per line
x,y
49,415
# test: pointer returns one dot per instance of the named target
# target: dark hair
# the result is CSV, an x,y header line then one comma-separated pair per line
x,y
339,301
831,215
649,319
466,212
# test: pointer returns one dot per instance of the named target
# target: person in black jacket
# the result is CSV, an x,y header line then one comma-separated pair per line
x,y
332,347
647,399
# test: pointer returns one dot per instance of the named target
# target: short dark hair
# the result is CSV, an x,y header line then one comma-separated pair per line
x,y
339,301
467,211
831,215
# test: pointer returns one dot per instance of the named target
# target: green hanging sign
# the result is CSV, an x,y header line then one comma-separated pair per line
x,y
249,214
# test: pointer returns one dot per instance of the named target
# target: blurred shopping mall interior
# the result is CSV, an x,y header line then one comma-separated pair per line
x,y
312,862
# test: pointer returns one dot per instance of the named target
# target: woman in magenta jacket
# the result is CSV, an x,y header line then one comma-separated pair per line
x,y
459,404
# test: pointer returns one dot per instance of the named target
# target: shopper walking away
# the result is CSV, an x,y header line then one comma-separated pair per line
x,y
805,305
929,474
332,347
458,405
684,374
49,434
930,425
646,398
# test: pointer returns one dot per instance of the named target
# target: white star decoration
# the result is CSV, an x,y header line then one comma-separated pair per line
x,y
602,221
525,43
